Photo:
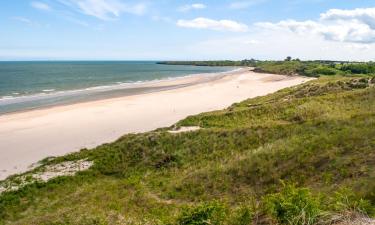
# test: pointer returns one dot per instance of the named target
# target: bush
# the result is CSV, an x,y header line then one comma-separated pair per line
x,y
358,83
212,213
345,200
293,205
322,70
243,216
359,68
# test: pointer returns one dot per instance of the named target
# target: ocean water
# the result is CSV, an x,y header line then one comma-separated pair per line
x,y
30,85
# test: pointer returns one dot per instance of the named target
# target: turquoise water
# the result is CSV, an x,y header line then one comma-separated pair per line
x,y
29,85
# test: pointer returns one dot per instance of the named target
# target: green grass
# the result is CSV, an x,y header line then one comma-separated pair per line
x,y
319,136
294,67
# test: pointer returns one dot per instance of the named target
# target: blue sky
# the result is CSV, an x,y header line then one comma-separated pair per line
x,y
186,30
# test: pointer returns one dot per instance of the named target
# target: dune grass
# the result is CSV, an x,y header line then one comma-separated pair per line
x,y
313,144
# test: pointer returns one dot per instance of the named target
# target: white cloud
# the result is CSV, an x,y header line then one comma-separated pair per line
x,y
277,44
358,47
251,42
361,15
105,9
186,8
22,20
245,4
353,26
221,25
27,21
336,35
292,25
40,6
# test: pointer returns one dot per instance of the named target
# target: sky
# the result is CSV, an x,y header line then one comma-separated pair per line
x,y
187,30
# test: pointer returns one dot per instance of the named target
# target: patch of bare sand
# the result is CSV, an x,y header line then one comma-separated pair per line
x,y
184,129
46,173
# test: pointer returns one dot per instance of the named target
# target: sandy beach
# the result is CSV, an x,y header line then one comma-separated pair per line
x,y
27,137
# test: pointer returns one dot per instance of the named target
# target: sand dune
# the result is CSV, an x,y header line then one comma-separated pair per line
x,y
27,137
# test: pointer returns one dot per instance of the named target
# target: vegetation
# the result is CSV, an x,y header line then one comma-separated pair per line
x,y
294,66
303,155
293,206
208,213
212,63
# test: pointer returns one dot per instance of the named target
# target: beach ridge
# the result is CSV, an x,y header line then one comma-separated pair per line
x,y
59,130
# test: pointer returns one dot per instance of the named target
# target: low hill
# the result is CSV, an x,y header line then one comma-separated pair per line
x,y
293,66
303,155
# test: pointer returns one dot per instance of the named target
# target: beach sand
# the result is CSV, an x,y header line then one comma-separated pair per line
x,y
27,137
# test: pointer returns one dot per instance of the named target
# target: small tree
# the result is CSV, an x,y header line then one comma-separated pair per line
x,y
288,58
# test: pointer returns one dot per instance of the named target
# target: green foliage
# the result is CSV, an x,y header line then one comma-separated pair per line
x,y
315,68
346,200
245,62
322,70
359,68
212,213
294,206
243,216
292,66
319,134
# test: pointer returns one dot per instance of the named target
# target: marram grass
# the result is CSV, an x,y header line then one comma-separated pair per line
x,y
298,156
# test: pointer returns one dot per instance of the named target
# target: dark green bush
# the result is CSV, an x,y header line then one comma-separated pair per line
x,y
359,68
322,70
293,205
212,213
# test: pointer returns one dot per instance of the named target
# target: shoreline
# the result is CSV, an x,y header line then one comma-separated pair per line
x,y
30,136
95,93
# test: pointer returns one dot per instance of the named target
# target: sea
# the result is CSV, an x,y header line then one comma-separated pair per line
x,y
38,84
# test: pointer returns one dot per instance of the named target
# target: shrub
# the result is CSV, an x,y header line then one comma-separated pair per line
x,y
359,68
293,205
212,213
346,200
243,216
358,83
322,70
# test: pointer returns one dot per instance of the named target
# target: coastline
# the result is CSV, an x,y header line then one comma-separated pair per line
x,y
29,136
16,104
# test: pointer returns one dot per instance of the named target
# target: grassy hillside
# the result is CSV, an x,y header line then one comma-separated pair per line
x,y
303,155
294,67
316,68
